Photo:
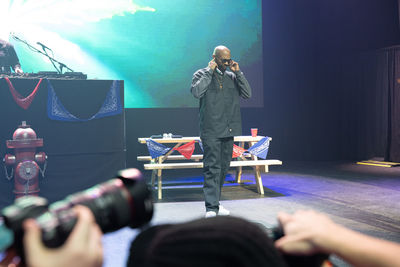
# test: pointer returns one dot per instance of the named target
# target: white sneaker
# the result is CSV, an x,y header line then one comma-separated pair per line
x,y
222,211
210,214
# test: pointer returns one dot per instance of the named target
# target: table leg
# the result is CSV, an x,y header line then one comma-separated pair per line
x,y
260,187
238,174
153,178
159,184
257,173
266,168
239,169
159,177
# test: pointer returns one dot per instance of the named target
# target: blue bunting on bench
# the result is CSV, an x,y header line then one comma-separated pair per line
x,y
156,149
260,149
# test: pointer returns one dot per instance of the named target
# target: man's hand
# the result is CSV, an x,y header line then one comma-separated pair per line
x,y
18,70
212,64
234,66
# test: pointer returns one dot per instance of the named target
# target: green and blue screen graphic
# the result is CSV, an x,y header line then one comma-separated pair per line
x,y
155,46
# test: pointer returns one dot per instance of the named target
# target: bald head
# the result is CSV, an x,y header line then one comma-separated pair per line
x,y
222,56
220,50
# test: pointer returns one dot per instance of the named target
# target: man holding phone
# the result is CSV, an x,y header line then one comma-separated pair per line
x,y
219,91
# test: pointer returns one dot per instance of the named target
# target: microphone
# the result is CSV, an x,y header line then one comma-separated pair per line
x,y
43,46
15,37
218,71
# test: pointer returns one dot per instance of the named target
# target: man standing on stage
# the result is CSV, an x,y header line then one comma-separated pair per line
x,y
218,90
8,58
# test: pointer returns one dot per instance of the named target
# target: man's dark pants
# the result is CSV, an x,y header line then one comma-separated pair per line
x,y
216,159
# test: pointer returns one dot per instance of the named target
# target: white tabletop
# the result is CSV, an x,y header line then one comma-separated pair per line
x,y
243,138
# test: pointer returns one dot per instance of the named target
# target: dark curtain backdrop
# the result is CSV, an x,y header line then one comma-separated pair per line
x,y
391,56
364,115
371,115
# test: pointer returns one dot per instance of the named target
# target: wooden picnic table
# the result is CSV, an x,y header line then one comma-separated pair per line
x,y
159,164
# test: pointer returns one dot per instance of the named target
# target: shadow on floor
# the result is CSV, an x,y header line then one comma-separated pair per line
x,y
184,192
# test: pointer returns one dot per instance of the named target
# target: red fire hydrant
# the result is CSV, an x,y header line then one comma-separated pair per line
x,y
25,162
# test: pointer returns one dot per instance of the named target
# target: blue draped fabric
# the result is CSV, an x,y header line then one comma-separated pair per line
x,y
111,106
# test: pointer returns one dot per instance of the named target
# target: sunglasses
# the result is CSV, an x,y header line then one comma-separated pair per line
x,y
224,61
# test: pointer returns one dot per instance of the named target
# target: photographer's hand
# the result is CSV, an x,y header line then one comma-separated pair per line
x,y
82,248
308,232
305,232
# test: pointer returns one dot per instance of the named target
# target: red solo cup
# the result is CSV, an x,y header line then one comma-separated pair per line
x,y
254,132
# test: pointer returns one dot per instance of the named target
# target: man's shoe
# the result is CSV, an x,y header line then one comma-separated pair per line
x,y
210,214
222,211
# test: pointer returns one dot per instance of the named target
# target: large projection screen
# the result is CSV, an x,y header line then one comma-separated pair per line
x,y
155,46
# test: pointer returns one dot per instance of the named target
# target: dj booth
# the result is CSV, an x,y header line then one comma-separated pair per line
x,y
82,123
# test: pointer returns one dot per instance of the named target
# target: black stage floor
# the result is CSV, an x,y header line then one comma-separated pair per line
x,y
363,198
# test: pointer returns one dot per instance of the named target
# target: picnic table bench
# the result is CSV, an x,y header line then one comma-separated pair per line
x,y
159,164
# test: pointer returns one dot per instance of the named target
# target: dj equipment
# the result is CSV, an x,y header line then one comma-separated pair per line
x,y
46,75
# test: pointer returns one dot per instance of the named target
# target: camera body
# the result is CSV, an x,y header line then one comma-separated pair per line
x,y
116,203
315,260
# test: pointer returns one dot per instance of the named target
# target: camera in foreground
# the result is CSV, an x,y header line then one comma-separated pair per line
x,y
116,203
317,259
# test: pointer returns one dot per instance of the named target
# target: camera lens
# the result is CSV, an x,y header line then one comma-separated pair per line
x,y
116,203
119,202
